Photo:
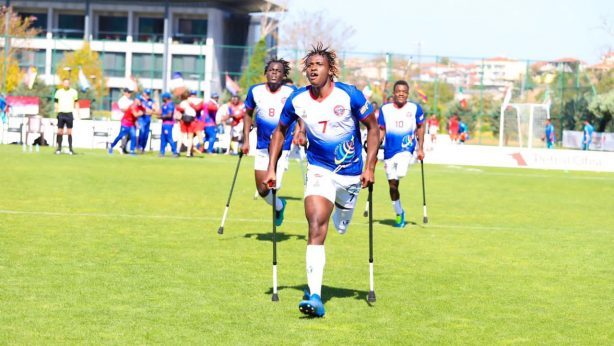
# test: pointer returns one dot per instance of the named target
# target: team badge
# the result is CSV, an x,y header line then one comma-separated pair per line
x,y
283,100
339,110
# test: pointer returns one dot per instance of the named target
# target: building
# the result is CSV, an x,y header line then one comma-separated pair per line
x,y
149,40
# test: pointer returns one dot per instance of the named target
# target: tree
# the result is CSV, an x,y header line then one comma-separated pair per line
x,y
43,91
253,74
18,28
307,28
602,106
90,63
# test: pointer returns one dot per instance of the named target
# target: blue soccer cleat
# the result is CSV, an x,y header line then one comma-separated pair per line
x,y
312,306
400,220
279,215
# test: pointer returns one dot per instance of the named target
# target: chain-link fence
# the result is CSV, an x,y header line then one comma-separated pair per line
x,y
472,88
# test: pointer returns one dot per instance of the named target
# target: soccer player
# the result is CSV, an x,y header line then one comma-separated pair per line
x,y
66,101
549,135
400,122
587,135
144,121
331,112
128,124
266,101
168,120
187,124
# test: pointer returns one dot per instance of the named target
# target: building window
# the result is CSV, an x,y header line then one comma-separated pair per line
x,y
191,66
32,58
112,28
147,65
113,64
56,57
113,96
151,29
70,26
191,30
37,20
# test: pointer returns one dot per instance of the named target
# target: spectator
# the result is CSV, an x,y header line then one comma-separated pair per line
x,y
128,125
124,103
433,127
168,120
587,136
187,123
210,123
453,127
144,121
236,113
549,135
463,132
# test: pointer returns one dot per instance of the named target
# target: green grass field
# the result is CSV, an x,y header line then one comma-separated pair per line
x,y
124,250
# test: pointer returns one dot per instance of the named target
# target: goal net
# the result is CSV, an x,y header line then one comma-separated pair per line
x,y
522,125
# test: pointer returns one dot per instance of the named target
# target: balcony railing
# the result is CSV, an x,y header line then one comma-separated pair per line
x,y
111,35
68,33
189,38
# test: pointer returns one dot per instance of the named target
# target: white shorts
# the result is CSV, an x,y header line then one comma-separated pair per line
x,y
261,163
237,131
341,190
396,166
433,130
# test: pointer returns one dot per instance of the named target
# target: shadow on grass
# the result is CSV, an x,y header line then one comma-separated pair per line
x,y
328,292
390,222
281,236
291,198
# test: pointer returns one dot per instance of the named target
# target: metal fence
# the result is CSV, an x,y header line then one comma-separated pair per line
x,y
472,87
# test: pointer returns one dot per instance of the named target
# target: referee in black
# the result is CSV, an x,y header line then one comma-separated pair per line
x,y
65,103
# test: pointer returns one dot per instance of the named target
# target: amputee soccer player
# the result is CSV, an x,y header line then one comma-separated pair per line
x,y
168,121
128,124
331,112
400,122
266,101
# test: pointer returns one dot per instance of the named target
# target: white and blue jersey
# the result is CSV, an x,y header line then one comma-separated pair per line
x,y
587,135
332,126
267,108
400,125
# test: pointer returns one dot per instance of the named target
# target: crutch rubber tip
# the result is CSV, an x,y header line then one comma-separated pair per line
x,y
365,214
425,220
371,297
220,230
274,297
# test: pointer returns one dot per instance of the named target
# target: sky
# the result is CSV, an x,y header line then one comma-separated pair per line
x,y
521,29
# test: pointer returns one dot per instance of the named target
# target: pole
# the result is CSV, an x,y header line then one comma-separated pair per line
x,y
371,296
274,297
481,104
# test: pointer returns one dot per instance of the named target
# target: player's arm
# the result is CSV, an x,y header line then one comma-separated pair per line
x,y
275,146
56,102
420,125
300,136
420,134
247,127
373,136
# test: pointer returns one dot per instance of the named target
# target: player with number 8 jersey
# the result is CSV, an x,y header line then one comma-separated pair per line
x,y
264,102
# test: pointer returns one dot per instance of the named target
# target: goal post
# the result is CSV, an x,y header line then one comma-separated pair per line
x,y
522,125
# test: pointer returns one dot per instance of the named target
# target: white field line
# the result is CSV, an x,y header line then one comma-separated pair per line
x,y
232,219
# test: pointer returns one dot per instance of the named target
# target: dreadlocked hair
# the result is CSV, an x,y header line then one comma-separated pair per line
x,y
284,64
327,53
